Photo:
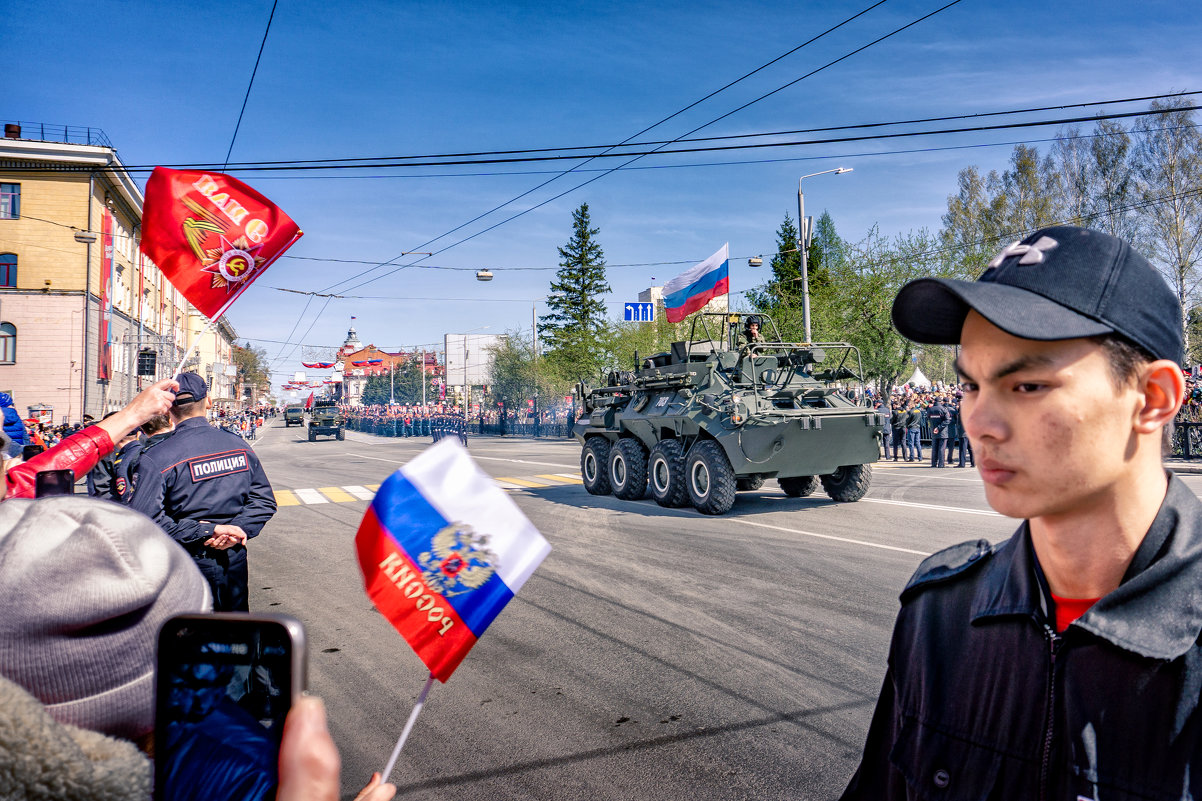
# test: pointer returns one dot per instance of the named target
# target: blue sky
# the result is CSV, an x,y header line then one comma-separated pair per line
x,y
165,82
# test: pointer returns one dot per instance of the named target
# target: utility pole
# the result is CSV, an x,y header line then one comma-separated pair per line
x,y
803,245
534,357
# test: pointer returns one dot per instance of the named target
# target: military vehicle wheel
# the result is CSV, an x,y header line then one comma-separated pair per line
x,y
594,462
665,470
340,436
709,478
750,483
799,486
848,483
312,435
628,469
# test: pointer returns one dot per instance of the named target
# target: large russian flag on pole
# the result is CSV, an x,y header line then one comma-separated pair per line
x,y
697,286
443,549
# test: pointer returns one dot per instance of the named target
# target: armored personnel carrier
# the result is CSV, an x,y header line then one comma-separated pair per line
x,y
725,411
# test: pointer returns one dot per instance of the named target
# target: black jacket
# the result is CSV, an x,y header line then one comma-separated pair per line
x,y
983,700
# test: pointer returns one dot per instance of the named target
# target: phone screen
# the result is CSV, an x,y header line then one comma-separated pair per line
x,y
224,685
53,482
30,451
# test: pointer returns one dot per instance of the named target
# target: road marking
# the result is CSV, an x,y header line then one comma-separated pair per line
x,y
563,479
362,493
507,485
310,496
521,482
986,512
522,461
847,540
285,498
372,487
376,458
336,494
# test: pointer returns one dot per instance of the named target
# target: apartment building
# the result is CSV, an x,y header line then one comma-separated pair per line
x,y
80,307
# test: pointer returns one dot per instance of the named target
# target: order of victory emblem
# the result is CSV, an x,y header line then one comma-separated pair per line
x,y
231,261
459,561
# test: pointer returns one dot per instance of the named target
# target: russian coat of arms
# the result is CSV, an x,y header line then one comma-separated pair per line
x,y
459,561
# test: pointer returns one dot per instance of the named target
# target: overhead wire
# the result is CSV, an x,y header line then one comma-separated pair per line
x,y
246,97
637,157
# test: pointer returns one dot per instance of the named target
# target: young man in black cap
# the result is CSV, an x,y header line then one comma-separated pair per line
x,y
1065,662
205,488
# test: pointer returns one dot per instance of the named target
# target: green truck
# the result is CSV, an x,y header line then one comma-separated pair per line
x,y
326,418
719,413
294,416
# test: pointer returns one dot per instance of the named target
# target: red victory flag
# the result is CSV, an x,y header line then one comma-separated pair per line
x,y
211,235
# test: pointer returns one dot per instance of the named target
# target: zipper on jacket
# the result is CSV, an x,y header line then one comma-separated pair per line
x,y
1054,641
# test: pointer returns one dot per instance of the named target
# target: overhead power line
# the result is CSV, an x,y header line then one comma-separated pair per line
x,y
253,73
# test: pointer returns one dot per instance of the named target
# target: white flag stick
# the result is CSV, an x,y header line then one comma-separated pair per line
x,y
417,708
195,347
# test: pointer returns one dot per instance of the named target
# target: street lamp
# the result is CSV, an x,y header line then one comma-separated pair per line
x,y
804,244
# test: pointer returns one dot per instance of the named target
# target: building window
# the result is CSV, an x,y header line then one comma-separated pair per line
x,y
8,269
8,343
10,201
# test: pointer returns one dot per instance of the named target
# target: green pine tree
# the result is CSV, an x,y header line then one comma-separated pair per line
x,y
571,332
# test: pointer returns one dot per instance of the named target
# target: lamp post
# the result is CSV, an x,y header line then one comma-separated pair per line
x,y
803,246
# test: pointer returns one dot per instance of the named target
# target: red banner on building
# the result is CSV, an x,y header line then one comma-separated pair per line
x,y
211,235
104,366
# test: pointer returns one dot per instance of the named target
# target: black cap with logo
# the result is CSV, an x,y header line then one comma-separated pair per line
x,y
1062,282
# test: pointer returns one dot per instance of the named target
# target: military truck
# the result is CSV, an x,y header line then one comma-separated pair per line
x,y
725,411
326,418
294,415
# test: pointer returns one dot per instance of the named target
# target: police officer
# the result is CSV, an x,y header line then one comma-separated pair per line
x,y
207,490
938,415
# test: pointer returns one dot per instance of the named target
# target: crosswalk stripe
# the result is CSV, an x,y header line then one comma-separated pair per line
x,y
362,493
503,484
561,479
311,496
285,498
336,494
523,482
569,475
372,487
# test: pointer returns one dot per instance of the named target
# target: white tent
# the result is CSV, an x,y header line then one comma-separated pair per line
x,y
918,379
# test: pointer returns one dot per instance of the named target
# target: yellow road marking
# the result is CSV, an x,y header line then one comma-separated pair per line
x,y
523,482
562,479
285,498
336,494
372,487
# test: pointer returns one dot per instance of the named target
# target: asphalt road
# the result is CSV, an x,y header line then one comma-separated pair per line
x,y
656,654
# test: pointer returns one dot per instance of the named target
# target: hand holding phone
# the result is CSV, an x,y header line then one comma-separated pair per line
x,y
54,482
225,683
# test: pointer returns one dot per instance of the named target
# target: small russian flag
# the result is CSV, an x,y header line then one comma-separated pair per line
x,y
442,549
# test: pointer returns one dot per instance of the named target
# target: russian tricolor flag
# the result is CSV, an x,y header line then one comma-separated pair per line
x,y
697,286
443,549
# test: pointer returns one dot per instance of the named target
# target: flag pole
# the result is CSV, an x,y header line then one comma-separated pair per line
x,y
195,345
417,708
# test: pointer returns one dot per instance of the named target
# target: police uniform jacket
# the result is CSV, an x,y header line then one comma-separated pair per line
x,y
200,477
984,700
937,416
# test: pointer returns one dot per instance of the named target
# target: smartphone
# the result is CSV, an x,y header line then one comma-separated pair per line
x,y
30,451
224,684
54,482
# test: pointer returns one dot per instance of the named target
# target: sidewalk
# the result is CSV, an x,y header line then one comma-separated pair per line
x,y
1185,466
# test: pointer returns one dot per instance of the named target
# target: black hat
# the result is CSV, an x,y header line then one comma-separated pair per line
x,y
1062,282
191,388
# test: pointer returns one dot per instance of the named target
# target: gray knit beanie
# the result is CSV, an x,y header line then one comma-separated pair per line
x,y
85,585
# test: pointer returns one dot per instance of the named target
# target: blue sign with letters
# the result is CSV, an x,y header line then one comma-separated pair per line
x,y
640,313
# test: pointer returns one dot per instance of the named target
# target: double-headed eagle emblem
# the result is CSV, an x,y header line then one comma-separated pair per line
x,y
459,561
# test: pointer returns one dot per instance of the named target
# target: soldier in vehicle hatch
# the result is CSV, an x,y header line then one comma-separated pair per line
x,y
751,332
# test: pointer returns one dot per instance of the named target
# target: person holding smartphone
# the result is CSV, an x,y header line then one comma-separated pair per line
x,y
78,657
